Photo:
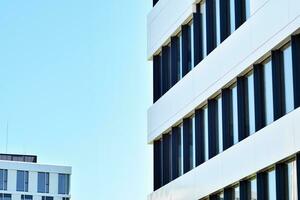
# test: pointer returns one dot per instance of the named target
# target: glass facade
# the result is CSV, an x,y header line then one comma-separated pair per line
x,y
43,182
3,179
22,181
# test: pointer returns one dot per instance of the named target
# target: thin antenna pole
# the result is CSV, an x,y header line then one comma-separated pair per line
x,y
6,136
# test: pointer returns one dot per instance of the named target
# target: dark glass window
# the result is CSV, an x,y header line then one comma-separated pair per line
x,y
63,183
203,28
3,179
43,182
22,181
190,46
26,197
180,151
5,196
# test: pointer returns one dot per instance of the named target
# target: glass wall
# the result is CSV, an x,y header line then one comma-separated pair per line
x,y
250,104
268,91
288,78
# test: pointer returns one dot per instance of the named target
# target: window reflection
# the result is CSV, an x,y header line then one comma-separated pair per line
x,y
268,90
234,114
250,103
180,151
271,185
203,12
292,180
220,125
232,16
217,23
253,189
205,133
288,78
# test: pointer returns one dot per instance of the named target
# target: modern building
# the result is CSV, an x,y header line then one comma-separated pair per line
x,y
22,178
225,119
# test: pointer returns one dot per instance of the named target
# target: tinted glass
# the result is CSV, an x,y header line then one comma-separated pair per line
x,y
5,196
232,16
250,103
22,181
179,55
218,34
268,88
203,12
189,45
180,160
43,182
26,197
247,5
292,180
271,185
3,179
192,143
236,191
234,114
63,183
220,125
288,78
205,128
253,191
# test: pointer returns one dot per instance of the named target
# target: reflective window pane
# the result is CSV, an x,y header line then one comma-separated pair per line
x,y
218,34
247,4
203,12
268,90
179,54
5,196
292,180
220,125
63,183
43,182
234,114
232,16
22,181
288,78
250,103
205,133
236,193
271,185
191,144
189,46
253,189
26,197
180,151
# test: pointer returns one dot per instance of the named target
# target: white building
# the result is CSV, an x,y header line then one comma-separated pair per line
x,y
225,120
22,178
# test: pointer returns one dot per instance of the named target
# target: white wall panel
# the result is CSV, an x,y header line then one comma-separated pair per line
x,y
262,149
262,32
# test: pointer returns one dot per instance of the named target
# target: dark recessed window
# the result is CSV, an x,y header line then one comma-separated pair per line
x,y
5,196
47,198
203,28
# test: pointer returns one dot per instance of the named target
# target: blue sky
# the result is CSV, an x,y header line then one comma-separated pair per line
x,y
75,86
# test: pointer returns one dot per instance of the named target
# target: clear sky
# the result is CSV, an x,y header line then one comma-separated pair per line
x,y
75,86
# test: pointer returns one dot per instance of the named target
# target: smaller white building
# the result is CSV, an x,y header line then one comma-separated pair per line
x,y
22,178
